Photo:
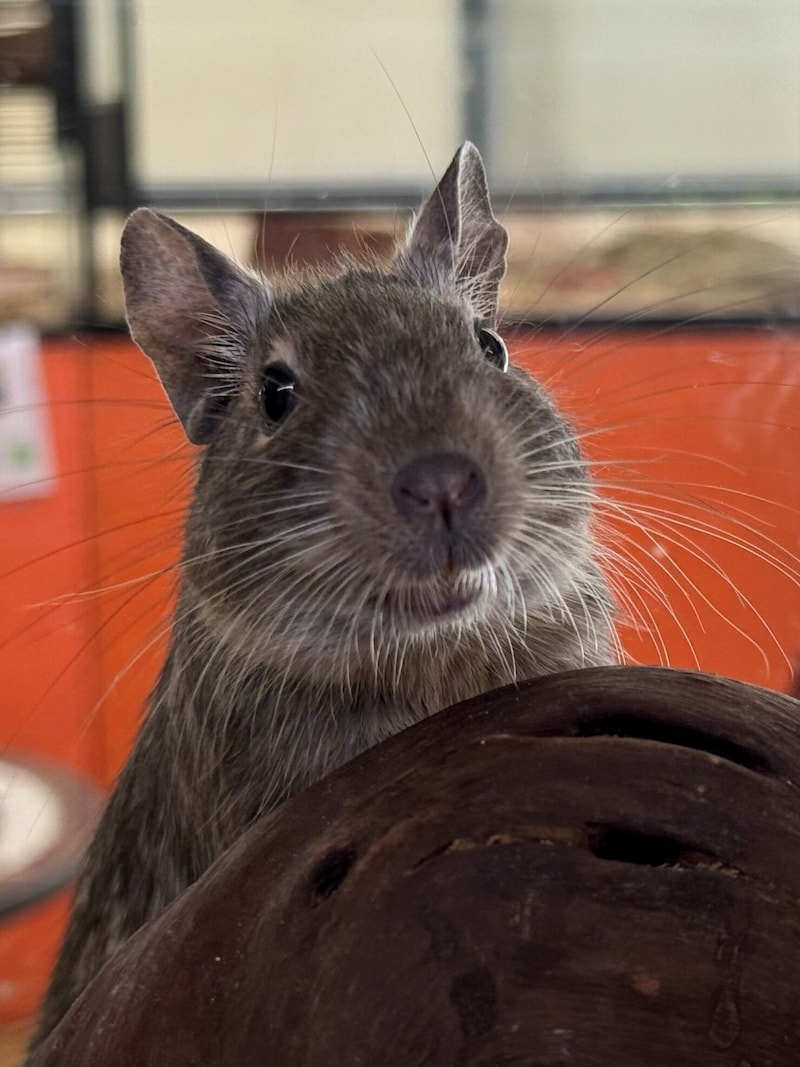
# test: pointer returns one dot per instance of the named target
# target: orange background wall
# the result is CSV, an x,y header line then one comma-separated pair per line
x,y
79,608
693,437
704,425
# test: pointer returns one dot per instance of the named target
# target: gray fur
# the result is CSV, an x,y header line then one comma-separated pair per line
x,y
310,623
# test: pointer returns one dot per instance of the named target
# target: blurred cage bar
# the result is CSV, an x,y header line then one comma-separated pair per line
x,y
63,158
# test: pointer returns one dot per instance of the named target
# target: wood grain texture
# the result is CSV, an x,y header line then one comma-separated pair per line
x,y
596,868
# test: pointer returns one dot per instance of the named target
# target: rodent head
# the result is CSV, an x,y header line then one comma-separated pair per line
x,y
374,476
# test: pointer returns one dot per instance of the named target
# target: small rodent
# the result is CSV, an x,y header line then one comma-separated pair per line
x,y
387,519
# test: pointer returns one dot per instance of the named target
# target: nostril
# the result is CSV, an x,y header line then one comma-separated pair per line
x,y
471,491
438,485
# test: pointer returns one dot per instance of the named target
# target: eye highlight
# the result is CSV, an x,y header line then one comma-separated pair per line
x,y
276,397
493,347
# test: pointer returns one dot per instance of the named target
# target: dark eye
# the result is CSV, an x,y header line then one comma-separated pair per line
x,y
277,393
493,347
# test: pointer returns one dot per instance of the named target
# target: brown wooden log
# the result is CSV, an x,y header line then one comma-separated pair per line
x,y
597,868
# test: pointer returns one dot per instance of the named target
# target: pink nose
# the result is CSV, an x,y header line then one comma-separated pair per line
x,y
438,487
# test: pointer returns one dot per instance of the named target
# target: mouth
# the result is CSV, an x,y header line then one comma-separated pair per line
x,y
446,597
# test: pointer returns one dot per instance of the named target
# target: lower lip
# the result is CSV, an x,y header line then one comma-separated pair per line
x,y
450,605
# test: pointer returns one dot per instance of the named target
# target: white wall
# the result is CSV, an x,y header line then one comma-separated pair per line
x,y
592,90
245,90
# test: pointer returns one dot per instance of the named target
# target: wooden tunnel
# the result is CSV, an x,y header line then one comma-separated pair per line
x,y
596,868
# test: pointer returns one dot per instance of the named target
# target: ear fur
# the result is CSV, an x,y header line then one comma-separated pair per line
x,y
192,311
455,240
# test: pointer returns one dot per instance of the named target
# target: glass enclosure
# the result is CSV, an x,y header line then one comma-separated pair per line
x,y
627,134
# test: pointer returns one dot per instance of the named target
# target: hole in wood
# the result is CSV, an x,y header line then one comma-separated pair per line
x,y
669,734
647,850
331,871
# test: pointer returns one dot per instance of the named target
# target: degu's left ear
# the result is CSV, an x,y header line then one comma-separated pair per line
x,y
455,240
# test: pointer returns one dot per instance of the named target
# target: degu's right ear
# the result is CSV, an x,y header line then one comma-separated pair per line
x,y
456,241
193,311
